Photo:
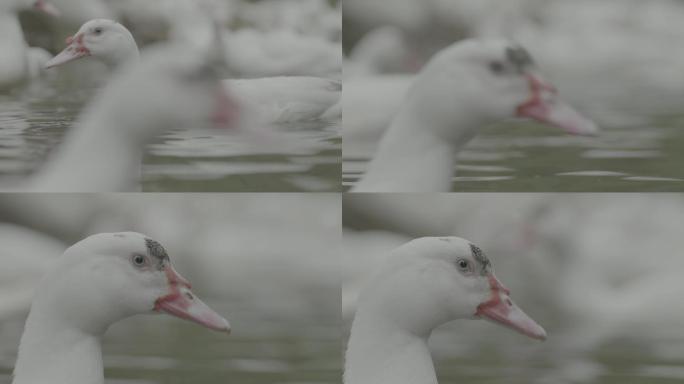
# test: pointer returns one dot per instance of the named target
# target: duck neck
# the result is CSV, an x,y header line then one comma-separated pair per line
x,y
13,47
99,155
412,158
380,351
54,353
126,56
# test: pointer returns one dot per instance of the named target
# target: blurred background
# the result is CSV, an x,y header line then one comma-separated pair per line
x,y
268,263
617,61
602,273
263,38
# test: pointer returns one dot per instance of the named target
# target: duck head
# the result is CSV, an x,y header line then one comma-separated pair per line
x,y
475,83
110,276
102,39
431,281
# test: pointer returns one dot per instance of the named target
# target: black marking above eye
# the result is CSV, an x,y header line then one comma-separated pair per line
x,y
519,57
157,252
480,258
497,67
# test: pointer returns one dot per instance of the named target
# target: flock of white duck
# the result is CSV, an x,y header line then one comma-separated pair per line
x,y
187,71
431,116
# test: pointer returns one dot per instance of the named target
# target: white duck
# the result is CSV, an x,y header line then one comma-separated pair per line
x,y
424,284
97,282
27,254
307,17
268,100
169,88
19,61
382,50
466,86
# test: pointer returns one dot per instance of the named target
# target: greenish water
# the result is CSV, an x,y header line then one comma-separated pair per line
x,y
488,354
260,350
610,365
303,158
524,157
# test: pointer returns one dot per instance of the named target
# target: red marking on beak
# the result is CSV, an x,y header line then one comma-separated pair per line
x,y
182,303
537,87
75,50
175,279
501,309
545,106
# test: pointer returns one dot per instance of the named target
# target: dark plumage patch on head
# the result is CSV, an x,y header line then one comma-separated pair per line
x,y
156,251
481,259
519,57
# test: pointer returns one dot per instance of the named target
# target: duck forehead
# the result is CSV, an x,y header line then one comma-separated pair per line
x,y
97,23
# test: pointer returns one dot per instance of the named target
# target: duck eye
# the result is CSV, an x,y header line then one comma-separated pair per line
x,y
98,30
496,67
139,260
463,265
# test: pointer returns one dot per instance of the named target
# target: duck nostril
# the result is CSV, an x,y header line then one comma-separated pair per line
x,y
509,302
189,296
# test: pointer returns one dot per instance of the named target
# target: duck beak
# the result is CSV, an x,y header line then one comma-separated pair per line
x,y
182,303
545,106
501,309
74,50
46,7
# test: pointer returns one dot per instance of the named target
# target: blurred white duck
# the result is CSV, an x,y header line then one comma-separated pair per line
x,y
424,284
27,254
269,100
466,86
382,50
253,53
308,17
169,88
75,12
98,282
19,62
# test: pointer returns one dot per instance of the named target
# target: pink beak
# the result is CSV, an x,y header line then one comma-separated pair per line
x,y
74,50
501,309
46,7
545,106
227,110
182,303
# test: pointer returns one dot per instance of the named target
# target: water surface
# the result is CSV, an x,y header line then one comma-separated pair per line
x,y
525,157
283,158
